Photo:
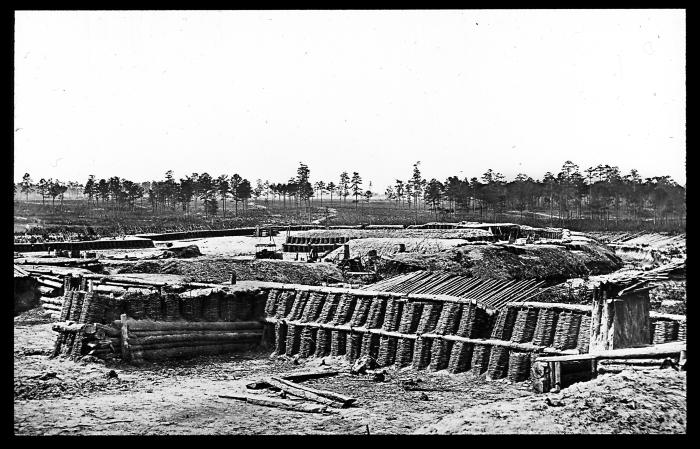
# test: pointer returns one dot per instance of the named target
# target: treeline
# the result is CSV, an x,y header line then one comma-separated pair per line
x,y
600,193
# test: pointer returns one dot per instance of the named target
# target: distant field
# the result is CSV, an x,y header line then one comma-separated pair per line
x,y
76,216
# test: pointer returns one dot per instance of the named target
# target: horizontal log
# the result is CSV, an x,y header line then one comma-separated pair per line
x,y
48,291
212,336
108,289
182,351
105,279
294,390
50,283
278,403
300,376
666,316
106,343
104,351
581,308
52,278
52,307
344,401
107,330
148,325
647,352
193,344
54,301
70,326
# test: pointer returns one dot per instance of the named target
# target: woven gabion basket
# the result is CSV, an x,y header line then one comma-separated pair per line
x,y
460,357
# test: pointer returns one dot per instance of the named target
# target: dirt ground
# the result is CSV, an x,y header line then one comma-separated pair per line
x,y
58,396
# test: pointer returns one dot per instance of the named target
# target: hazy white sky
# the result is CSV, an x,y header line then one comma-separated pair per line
x,y
133,94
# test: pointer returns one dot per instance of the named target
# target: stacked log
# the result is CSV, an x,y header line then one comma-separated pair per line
x,y
75,340
480,359
439,359
421,353
498,362
460,357
404,352
524,327
54,306
518,366
545,327
338,342
153,340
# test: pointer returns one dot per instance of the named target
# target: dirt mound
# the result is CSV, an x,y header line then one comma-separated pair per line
x,y
552,263
390,246
217,270
398,233
649,401
34,316
183,252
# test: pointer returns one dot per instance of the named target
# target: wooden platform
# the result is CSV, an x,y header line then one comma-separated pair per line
x,y
547,373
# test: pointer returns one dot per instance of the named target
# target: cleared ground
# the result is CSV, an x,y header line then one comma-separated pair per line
x,y
56,396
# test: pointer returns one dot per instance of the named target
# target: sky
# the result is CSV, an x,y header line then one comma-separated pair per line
x,y
136,93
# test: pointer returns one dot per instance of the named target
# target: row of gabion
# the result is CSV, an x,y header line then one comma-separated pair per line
x,y
543,327
663,331
421,353
387,313
155,306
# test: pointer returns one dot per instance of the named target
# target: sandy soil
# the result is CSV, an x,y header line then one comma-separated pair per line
x,y
181,397
633,401
58,396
